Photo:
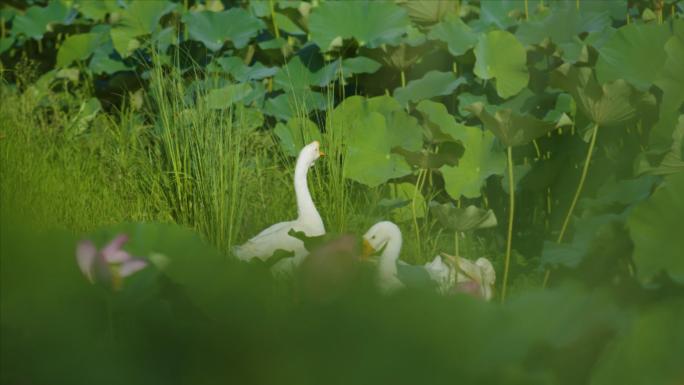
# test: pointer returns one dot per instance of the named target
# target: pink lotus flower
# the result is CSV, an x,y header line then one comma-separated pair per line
x,y
109,265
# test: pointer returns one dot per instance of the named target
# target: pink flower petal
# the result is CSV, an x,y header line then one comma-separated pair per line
x,y
85,257
118,256
115,245
132,266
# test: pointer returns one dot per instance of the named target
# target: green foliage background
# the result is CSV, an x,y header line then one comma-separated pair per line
x,y
565,118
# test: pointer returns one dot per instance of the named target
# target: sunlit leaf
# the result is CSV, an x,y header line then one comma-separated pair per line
x,y
373,128
79,47
500,56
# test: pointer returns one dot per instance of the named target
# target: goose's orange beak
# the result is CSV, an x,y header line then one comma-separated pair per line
x,y
366,249
321,153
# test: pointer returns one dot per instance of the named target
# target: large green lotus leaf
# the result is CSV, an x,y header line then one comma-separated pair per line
x,y
655,226
649,352
434,83
503,13
296,134
97,10
294,76
289,105
441,125
456,34
511,128
215,28
79,47
429,11
562,25
284,23
635,53
606,105
463,219
371,23
671,78
6,43
373,129
479,161
139,19
588,234
224,97
37,20
402,195
106,61
500,55
368,158
241,72
344,68
673,162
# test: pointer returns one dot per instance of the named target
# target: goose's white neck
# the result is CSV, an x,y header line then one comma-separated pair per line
x,y
387,263
306,210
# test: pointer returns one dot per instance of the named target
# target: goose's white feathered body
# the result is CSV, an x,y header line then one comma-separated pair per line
x,y
276,237
457,273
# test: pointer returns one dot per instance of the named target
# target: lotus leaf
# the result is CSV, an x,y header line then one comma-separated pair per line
x,y
404,194
97,10
225,97
562,25
501,56
671,78
242,72
456,34
649,351
79,47
284,23
463,219
511,128
479,162
434,83
429,11
371,23
606,105
213,29
296,134
655,227
373,128
38,20
634,53
139,19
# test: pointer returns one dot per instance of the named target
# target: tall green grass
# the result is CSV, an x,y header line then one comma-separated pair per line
x,y
175,159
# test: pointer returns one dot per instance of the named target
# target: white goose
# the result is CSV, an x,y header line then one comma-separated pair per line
x,y
308,221
394,274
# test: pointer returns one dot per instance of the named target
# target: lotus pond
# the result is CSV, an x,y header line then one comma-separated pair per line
x,y
522,159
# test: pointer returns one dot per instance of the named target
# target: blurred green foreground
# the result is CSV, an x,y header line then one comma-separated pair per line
x,y
195,317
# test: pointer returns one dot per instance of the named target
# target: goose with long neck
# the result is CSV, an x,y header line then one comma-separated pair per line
x,y
277,237
394,274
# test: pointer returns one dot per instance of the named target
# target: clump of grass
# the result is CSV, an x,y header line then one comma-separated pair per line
x,y
61,179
